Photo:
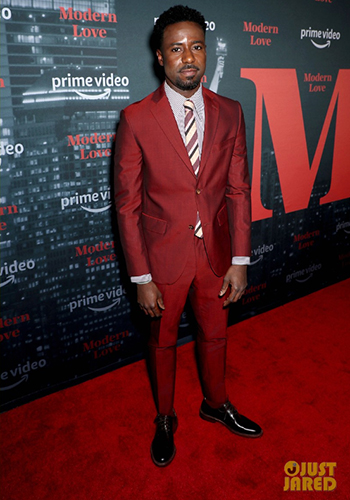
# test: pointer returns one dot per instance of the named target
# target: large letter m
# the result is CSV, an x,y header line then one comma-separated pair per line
x,y
278,90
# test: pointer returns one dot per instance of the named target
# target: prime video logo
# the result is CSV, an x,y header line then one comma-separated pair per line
x,y
10,270
345,226
97,302
324,35
90,87
304,274
258,253
78,200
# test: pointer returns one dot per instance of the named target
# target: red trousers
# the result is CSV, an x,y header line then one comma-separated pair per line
x,y
202,286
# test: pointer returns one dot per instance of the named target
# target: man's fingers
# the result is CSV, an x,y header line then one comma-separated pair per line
x,y
236,278
150,299
157,313
143,309
234,296
223,288
154,311
161,303
231,297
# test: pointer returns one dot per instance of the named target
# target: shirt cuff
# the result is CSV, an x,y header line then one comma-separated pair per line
x,y
240,261
141,280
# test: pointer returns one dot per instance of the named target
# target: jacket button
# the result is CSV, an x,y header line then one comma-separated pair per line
x,y
198,191
190,226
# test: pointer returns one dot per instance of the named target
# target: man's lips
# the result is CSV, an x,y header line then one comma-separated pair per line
x,y
189,71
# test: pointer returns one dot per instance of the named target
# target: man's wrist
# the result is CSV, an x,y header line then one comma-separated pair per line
x,y
141,280
240,261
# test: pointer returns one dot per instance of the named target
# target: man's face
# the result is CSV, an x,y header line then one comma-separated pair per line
x,y
183,56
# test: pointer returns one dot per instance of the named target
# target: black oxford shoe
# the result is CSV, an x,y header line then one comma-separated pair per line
x,y
163,449
229,416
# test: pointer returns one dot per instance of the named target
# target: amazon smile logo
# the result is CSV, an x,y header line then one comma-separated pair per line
x,y
22,371
303,275
8,271
90,87
258,253
77,87
321,39
100,302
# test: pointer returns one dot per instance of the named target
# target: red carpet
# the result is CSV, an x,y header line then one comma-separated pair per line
x,y
287,369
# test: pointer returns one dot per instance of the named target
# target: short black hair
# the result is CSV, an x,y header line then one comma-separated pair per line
x,y
176,14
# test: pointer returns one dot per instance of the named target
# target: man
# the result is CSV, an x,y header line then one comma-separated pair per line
x,y
183,203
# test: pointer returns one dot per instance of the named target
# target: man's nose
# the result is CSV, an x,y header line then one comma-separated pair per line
x,y
187,55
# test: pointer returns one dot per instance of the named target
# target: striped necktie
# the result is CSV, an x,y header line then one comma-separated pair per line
x,y
192,146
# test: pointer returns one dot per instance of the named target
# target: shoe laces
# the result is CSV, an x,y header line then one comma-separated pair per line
x,y
229,408
164,422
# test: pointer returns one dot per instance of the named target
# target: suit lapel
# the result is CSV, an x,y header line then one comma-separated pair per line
x,y
211,123
162,112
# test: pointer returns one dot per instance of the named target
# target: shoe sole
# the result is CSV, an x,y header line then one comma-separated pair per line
x,y
213,420
163,464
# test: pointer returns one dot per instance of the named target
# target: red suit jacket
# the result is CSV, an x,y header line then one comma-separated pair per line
x,y
157,194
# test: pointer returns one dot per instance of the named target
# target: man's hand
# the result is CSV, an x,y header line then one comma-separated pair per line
x,y
150,299
236,278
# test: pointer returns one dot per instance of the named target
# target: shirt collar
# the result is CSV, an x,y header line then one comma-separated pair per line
x,y
177,100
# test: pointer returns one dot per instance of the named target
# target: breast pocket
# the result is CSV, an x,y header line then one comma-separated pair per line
x,y
220,146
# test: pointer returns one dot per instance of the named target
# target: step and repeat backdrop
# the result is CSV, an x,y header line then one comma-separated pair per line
x,y
67,70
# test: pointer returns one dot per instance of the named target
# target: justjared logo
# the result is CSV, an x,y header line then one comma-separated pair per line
x,y
309,476
321,36
258,253
304,274
93,302
9,270
81,200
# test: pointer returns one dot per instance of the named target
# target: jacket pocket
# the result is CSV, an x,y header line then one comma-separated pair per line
x,y
222,216
153,224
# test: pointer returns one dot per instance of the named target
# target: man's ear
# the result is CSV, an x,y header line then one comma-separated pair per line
x,y
160,57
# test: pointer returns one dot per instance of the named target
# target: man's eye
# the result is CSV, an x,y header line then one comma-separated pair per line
x,y
175,49
198,47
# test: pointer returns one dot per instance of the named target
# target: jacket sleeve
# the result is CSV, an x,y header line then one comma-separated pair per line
x,y
238,194
128,178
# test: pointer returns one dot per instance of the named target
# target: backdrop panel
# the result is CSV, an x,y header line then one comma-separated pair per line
x,y
67,70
